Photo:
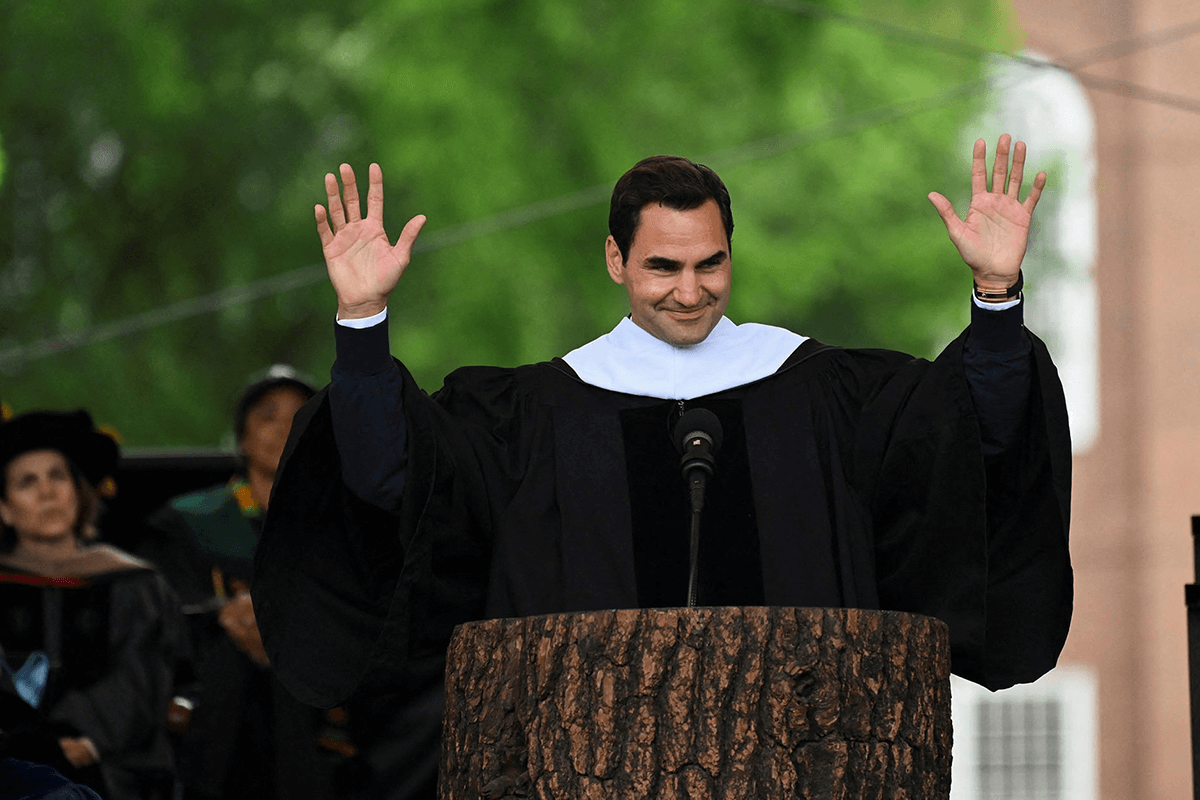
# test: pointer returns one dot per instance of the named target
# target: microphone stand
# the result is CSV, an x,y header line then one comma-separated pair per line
x,y
696,480
698,436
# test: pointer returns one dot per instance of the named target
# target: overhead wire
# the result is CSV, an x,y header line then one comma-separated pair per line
x,y
15,355
1092,55
779,144
1136,92
1072,64
231,296
931,40
1134,44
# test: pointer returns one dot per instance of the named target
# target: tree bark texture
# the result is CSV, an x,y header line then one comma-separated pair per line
x,y
699,703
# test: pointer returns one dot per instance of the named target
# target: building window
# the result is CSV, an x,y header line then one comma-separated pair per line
x,y
1019,753
1031,742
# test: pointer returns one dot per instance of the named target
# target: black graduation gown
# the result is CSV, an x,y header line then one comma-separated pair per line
x,y
247,737
869,483
112,639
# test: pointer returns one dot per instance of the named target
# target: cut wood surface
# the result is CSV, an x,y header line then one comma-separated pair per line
x,y
699,703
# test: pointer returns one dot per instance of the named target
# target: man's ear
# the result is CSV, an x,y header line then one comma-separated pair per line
x,y
4,513
616,264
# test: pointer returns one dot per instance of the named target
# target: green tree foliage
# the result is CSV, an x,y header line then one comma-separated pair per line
x,y
158,152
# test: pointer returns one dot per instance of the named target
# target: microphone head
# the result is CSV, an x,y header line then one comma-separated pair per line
x,y
698,422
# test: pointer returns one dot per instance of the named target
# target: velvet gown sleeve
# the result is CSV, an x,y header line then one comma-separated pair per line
x,y
970,525
997,364
366,401
353,598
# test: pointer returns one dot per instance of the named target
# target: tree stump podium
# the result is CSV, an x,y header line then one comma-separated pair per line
x,y
699,703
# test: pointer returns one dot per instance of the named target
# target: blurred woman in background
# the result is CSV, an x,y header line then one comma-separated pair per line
x,y
90,634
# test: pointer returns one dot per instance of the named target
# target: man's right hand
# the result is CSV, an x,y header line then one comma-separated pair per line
x,y
363,265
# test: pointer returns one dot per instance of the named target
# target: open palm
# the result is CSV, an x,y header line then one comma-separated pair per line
x,y
993,237
364,266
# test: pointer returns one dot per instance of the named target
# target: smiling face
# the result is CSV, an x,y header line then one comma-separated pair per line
x,y
678,273
40,499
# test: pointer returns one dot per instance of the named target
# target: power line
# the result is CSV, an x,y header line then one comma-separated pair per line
x,y
1134,44
184,309
435,240
1072,64
1093,55
851,123
753,151
892,31
1135,92
15,355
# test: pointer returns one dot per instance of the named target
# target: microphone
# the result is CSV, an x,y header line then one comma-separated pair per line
x,y
698,437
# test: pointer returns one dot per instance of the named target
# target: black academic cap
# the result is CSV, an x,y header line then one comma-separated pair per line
x,y
71,433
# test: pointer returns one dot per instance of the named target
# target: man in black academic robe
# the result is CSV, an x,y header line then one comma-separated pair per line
x,y
846,478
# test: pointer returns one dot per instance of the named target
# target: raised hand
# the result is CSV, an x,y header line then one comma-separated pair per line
x,y
993,237
364,266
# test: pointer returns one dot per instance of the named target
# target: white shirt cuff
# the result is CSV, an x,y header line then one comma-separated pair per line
x,y
364,322
1007,304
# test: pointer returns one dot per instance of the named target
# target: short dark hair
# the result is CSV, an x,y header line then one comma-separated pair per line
x,y
671,181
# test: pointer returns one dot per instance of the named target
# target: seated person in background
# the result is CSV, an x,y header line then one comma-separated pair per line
x,y
246,737
847,478
90,634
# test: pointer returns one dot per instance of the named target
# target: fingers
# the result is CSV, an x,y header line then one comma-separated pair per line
x,y
323,229
375,193
1001,173
1000,167
945,210
1018,171
978,168
350,194
408,237
336,214
1035,193
344,208
344,205
1014,182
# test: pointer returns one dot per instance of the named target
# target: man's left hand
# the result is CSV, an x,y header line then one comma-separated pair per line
x,y
993,237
